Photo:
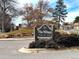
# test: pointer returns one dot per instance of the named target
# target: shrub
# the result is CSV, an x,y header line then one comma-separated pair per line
x,y
37,44
32,45
40,44
60,41
69,41
51,44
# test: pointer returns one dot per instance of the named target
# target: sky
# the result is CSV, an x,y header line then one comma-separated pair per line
x,y
72,7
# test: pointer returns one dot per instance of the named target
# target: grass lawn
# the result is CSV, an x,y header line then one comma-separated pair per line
x,y
21,32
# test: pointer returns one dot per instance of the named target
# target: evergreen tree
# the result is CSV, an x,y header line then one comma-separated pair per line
x,y
76,19
60,12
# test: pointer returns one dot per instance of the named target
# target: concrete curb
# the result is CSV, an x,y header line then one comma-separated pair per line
x,y
4,39
27,50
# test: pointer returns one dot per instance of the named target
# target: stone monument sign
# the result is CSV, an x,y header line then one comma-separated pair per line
x,y
44,32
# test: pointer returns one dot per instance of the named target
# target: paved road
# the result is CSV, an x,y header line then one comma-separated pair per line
x,y
9,50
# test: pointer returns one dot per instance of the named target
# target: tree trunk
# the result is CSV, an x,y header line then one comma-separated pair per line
x,y
59,22
3,30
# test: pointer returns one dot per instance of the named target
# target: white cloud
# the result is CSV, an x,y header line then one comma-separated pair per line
x,y
17,21
72,15
48,0
73,9
23,2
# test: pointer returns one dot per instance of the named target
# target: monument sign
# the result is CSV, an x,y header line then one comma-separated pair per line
x,y
44,32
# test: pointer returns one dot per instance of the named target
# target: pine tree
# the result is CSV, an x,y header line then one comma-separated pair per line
x,y
76,19
60,12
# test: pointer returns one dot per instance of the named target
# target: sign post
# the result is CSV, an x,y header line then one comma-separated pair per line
x,y
53,33
36,34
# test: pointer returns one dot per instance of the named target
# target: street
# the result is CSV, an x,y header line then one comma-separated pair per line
x,y
9,50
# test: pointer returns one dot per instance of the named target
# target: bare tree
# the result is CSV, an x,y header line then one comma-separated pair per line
x,y
37,12
28,13
43,7
7,11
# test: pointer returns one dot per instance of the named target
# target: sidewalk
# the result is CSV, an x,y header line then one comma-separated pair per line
x,y
29,38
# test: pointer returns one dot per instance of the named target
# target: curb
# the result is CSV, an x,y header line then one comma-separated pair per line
x,y
4,39
27,50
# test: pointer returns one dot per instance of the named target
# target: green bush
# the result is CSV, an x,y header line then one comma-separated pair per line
x,y
69,41
37,44
32,45
59,42
51,44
